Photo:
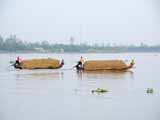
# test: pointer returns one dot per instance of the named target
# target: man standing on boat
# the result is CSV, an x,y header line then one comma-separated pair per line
x,y
79,65
82,61
18,61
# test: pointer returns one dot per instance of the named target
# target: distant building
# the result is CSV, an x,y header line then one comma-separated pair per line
x,y
14,37
62,50
71,40
39,49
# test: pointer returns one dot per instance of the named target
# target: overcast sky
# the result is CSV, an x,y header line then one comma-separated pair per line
x,y
92,21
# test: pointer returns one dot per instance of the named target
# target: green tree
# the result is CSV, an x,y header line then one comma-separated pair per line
x,y
1,43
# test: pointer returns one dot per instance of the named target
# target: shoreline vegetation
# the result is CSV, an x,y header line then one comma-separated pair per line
x,y
12,45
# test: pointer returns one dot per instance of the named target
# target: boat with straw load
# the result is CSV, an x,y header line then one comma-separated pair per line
x,y
95,65
48,63
101,65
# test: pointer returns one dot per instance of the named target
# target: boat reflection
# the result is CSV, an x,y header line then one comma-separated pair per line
x,y
79,74
39,75
105,74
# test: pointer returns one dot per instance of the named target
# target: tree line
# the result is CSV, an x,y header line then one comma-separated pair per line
x,y
12,44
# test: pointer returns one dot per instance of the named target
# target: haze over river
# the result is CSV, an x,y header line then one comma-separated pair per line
x,y
64,94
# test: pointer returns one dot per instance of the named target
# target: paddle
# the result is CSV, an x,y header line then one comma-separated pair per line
x,y
11,63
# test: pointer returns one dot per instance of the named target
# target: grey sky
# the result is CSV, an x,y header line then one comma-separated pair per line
x,y
118,21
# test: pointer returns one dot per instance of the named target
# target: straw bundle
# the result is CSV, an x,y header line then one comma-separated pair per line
x,y
104,65
40,64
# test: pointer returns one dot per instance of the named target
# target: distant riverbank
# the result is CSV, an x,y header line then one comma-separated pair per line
x,y
34,52
12,45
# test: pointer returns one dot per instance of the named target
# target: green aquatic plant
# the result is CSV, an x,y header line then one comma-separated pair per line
x,y
99,90
149,90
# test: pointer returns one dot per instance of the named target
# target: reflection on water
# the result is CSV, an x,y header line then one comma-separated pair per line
x,y
65,94
80,74
39,75
108,74
122,82
33,82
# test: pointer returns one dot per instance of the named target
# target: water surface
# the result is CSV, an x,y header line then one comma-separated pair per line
x,y
65,94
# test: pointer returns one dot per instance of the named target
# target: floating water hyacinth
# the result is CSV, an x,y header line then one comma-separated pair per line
x,y
149,90
99,90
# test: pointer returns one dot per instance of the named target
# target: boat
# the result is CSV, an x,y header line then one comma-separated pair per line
x,y
102,65
43,63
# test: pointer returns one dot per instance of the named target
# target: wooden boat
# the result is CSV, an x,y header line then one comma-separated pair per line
x,y
39,64
96,65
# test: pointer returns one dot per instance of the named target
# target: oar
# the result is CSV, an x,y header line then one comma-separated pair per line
x,y
11,63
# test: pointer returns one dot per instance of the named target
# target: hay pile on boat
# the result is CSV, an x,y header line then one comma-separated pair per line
x,y
104,65
40,64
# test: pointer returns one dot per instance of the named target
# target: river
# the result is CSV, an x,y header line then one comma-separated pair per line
x,y
64,94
